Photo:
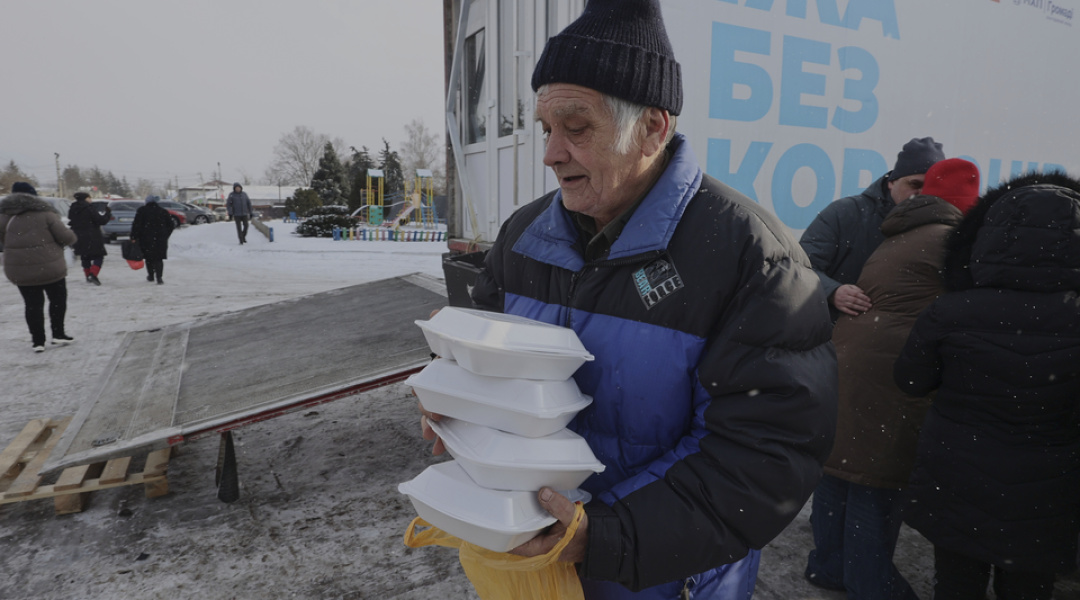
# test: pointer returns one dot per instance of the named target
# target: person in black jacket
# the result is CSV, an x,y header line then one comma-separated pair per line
x,y
714,380
86,222
151,229
846,232
996,484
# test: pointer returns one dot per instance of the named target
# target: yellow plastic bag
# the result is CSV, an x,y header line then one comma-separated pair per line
x,y
502,576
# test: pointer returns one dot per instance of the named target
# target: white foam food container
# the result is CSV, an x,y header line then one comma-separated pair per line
x,y
446,497
504,461
532,408
500,345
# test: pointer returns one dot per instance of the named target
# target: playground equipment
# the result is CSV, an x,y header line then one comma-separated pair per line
x,y
424,190
375,198
421,201
417,220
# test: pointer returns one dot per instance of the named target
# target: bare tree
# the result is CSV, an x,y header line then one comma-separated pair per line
x,y
143,188
297,154
423,149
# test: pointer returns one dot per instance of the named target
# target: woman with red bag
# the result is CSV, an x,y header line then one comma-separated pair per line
x,y
151,229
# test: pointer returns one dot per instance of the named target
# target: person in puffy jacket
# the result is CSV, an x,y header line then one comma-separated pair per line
x,y
34,236
238,206
996,481
714,380
151,228
855,516
86,222
846,232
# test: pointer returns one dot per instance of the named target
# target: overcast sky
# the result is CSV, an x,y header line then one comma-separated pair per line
x,y
159,90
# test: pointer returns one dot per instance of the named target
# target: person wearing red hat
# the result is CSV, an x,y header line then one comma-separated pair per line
x,y
855,517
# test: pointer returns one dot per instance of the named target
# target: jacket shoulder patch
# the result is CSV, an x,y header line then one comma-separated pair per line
x,y
656,281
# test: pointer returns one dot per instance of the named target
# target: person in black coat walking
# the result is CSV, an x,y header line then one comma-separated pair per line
x,y
151,229
86,222
996,483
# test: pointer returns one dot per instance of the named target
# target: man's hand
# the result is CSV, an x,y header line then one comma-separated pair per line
x,y
561,508
425,416
428,432
851,300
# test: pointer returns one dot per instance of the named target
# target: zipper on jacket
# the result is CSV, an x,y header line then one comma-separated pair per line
x,y
568,321
597,264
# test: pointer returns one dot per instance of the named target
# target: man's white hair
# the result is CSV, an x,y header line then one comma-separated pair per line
x,y
629,120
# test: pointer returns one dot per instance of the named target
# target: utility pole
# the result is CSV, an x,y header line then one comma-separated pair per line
x,y
221,194
59,181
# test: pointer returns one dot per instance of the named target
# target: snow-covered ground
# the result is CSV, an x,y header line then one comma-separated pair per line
x,y
319,514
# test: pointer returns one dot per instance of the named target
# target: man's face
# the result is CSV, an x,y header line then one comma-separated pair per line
x,y
906,187
236,188
580,136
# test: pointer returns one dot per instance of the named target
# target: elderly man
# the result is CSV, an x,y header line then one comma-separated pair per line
x,y
714,383
845,233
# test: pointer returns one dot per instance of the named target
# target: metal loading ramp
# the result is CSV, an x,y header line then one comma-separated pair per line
x,y
185,381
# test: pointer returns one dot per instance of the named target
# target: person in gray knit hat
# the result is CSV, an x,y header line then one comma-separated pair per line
x,y
714,381
846,232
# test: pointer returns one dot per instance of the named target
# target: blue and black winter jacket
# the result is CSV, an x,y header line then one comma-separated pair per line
x,y
714,383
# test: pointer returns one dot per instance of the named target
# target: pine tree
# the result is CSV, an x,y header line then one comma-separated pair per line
x,y
329,181
12,173
358,168
73,178
302,201
390,163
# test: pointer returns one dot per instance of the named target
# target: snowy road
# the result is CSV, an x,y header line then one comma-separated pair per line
x,y
319,514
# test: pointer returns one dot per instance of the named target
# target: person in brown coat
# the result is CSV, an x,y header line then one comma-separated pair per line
x,y
855,516
34,236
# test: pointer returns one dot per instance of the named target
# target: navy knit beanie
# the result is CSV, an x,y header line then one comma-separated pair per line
x,y
21,187
619,48
916,158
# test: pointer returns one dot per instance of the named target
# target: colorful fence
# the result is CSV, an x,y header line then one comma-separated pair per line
x,y
388,235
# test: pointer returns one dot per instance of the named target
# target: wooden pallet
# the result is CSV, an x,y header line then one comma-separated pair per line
x,y
23,458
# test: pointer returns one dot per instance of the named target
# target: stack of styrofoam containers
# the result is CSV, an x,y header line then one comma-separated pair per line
x,y
504,384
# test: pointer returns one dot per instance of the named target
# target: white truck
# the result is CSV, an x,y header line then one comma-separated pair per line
x,y
793,102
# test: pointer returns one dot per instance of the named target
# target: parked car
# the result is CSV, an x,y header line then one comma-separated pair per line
x,y
192,214
222,213
60,205
211,216
123,213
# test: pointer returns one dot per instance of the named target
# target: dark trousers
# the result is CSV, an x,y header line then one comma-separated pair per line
x,y
154,267
241,228
958,577
34,300
855,530
90,261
